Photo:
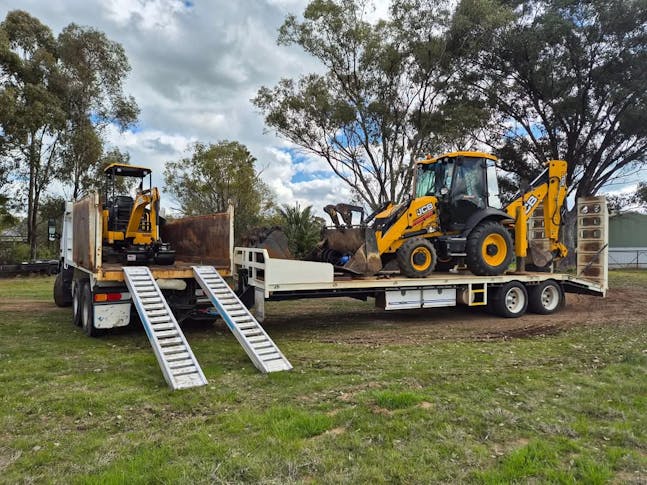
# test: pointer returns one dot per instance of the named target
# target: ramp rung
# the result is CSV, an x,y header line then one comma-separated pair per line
x,y
165,318
153,306
237,313
171,341
179,366
243,325
180,363
146,301
263,345
167,333
171,350
156,312
183,371
178,356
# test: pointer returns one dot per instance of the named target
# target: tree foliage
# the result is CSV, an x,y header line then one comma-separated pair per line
x,y
55,94
94,68
386,96
31,109
214,176
301,227
630,201
565,79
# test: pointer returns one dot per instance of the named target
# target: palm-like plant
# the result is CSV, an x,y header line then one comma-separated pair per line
x,y
301,227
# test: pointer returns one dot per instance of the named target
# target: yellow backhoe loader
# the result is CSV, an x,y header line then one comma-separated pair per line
x,y
453,217
131,225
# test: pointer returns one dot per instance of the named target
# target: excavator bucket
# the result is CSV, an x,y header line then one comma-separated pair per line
x,y
366,260
539,256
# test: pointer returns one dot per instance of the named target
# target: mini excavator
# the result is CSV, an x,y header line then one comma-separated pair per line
x,y
453,217
131,225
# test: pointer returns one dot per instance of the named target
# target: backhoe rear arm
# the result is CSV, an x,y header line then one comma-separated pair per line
x,y
549,188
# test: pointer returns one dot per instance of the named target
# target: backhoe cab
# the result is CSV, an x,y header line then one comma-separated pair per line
x,y
454,217
131,225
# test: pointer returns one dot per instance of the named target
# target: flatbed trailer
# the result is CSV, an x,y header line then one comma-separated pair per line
x,y
263,278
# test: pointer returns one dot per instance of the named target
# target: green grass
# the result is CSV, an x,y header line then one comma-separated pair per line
x,y
566,408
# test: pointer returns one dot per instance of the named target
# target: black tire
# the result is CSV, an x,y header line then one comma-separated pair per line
x,y
416,257
545,298
87,311
62,294
509,300
489,249
77,302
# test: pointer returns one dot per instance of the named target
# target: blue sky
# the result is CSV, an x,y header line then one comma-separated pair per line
x,y
195,66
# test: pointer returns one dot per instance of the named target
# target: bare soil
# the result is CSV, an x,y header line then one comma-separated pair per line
x,y
327,321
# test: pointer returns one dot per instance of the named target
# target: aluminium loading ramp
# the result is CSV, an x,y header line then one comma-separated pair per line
x,y
260,348
179,366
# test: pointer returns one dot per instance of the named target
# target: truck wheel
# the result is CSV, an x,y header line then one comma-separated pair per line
x,y
509,300
416,257
87,311
62,295
489,249
545,298
77,302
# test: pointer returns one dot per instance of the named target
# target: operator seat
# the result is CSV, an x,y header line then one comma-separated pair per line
x,y
119,210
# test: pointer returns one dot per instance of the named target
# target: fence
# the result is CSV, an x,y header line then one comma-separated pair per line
x,y
628,258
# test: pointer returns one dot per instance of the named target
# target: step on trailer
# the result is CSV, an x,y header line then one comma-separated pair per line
x,y
107,295
263,278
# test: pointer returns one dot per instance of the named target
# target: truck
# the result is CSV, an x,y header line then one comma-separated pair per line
x,y
106,295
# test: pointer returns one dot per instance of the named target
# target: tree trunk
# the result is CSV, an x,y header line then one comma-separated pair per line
x,y
31,201
568,235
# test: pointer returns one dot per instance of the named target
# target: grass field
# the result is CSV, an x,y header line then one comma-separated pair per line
x,y
564,408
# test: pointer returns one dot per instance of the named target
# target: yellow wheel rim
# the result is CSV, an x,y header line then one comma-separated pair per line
x,y
423,254
494,249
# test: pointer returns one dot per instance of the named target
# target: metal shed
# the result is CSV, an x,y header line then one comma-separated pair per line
x,y
628,240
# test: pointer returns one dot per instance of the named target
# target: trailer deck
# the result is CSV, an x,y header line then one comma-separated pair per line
x,y
178,270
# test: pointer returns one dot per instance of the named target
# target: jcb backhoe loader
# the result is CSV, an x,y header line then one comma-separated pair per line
x,y
454,216
131,226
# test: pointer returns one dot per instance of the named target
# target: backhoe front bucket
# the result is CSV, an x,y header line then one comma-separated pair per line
x,y
366,260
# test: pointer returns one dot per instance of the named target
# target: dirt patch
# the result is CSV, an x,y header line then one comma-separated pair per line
x,y
23,305
327,321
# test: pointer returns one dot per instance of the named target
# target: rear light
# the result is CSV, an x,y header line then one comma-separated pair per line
x,y
103,297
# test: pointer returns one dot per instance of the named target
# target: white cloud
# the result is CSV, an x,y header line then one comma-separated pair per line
x,y
195,66
146,14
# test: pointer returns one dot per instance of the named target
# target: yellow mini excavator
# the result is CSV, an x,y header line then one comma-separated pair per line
x,y
453,217
131,226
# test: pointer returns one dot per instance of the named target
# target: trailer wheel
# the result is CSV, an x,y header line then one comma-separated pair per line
x,y
489,249
509,300
62,295
77,302
87,311
545,298
416,257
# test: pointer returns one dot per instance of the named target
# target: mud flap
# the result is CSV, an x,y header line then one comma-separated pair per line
x,y
366,259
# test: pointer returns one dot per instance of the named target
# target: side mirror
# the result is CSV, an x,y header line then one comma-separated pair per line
x,y
51,230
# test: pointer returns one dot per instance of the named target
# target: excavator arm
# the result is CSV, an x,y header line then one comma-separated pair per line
x,y
143,200
549,188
